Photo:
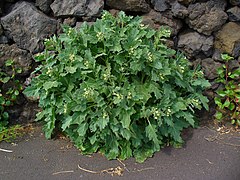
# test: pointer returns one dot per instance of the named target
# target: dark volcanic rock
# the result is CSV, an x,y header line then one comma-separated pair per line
x,y
210,68
160,5
28,26
77,8
22,59
4,39
186,2
1,29
235,2
44,5
129,5
234,14
195,44
207,17
163,19
179,10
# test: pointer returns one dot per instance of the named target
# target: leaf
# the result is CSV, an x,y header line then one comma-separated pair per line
x,y
151,133
189,118
126,151
93,139
125,118
179,106
218,102
231,106
125,133
221,93
82,129
226,103
70,69
175,133
66,123
48,85
142,154
218,115
78,118
102,122
202,83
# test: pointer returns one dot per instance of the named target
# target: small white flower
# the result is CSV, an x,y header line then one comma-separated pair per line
x,y
161,76
71,57
129,96
65,109
168,112
150,57
100,36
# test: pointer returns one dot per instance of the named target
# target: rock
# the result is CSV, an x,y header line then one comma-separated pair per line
x,y
1,7
77,8
4,39
22,59
160,5
1,29
69,8
114,12
164,19
186,2
44,5
29,112
94,8
78,24
227,40
179,10
235,2
234,14
129,5
207,17
70,21
195,44
28,26
210,68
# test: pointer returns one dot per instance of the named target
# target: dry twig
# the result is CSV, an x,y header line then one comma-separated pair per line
x,y
113,171
5,150
62,172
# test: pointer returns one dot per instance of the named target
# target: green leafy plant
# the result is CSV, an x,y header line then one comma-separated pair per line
x,y
116,88
8,134
227,99
8,96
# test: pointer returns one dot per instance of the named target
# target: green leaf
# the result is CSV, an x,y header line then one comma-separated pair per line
x,y
66,123
218,115
151,133
48,85
142,154
226,103
102,122
70,69
82,129
125,118
125,133
231,106
9,62
126,151
221,93
218,101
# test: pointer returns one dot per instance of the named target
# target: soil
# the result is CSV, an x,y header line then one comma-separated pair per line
x,y
208,154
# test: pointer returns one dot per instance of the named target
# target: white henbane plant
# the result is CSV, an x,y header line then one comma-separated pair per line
x,y
116,88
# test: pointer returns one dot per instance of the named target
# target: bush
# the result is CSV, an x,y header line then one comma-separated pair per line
x,y
115,87
8,95
227,99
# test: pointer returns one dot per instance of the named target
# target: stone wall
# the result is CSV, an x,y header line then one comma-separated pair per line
x,y
203,29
